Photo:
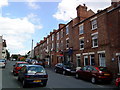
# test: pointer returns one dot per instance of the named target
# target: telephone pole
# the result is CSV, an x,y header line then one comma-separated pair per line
x,y
32,49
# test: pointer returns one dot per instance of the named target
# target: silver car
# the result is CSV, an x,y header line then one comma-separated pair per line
x,y
2,63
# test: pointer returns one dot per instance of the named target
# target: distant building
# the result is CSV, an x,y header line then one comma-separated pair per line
x,y
3,50
1,46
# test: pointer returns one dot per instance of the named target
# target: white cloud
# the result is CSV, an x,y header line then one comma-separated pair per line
x,y
34,19
67,8
7,14
32,4
16,32
3,3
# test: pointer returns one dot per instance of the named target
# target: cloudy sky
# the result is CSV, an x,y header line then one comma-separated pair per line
x,y
24,20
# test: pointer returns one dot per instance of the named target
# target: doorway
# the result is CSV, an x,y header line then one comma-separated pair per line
x,y
119,63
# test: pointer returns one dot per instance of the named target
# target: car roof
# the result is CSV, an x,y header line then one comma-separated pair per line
x,y
2,60
33,66
21,62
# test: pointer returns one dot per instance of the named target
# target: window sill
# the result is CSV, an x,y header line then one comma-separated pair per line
x,y
81,33
94,28
82,49
95,47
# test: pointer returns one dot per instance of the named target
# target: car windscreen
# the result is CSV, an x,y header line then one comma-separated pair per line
x,y
2,60
69,66
34,69
22,64
39,62
103,69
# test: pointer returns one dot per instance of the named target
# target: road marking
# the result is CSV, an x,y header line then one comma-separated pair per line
x,y
52,89
100,86
15,77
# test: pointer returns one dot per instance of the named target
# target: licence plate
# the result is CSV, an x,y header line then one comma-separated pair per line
x,y
72,71
106,74
37,81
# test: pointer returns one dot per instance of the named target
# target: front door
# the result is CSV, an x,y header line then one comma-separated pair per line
x,y
85,60
78,60
102,60
119,63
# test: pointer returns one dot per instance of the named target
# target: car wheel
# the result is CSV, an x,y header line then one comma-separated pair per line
x,y
24,84
64,72
56,70
76,75
18,78
14,73
119,85
93,80
44,84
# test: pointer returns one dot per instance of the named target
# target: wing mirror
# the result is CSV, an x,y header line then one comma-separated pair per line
x,y
13,65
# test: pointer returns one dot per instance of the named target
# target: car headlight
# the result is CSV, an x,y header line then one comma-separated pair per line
x,y
68,69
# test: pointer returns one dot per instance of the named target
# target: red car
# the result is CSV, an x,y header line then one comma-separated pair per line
x,y
18,66
117,82
94,74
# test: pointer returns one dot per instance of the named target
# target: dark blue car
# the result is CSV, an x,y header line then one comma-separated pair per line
x,y
33,74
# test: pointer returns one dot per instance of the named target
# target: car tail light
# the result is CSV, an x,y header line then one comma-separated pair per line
x,y
27,76
118,79
45,76
101,73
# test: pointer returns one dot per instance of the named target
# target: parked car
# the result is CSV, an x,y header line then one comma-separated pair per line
x,y
65,68
117,82
94,74
2,63
40,63
33,74
18,65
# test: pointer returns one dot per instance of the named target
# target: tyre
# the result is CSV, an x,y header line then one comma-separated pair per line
x,y
3,67
119,86
14,73
64,73
55,70
18,78
77,76
44,84
24,84
93,80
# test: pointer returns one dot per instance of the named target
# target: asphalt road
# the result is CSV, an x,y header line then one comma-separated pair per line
x,y
55,80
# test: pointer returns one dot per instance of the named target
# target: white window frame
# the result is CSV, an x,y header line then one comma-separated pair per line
x,y
61,46
52,45
57,46
52,37
94,37
91,58
103,64
47,41
81,29
78,56
67,43
62,33
57,35
67,29
94,24
80,44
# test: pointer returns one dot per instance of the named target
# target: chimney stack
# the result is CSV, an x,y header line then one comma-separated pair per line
x,y
82,12
115,3
61,25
